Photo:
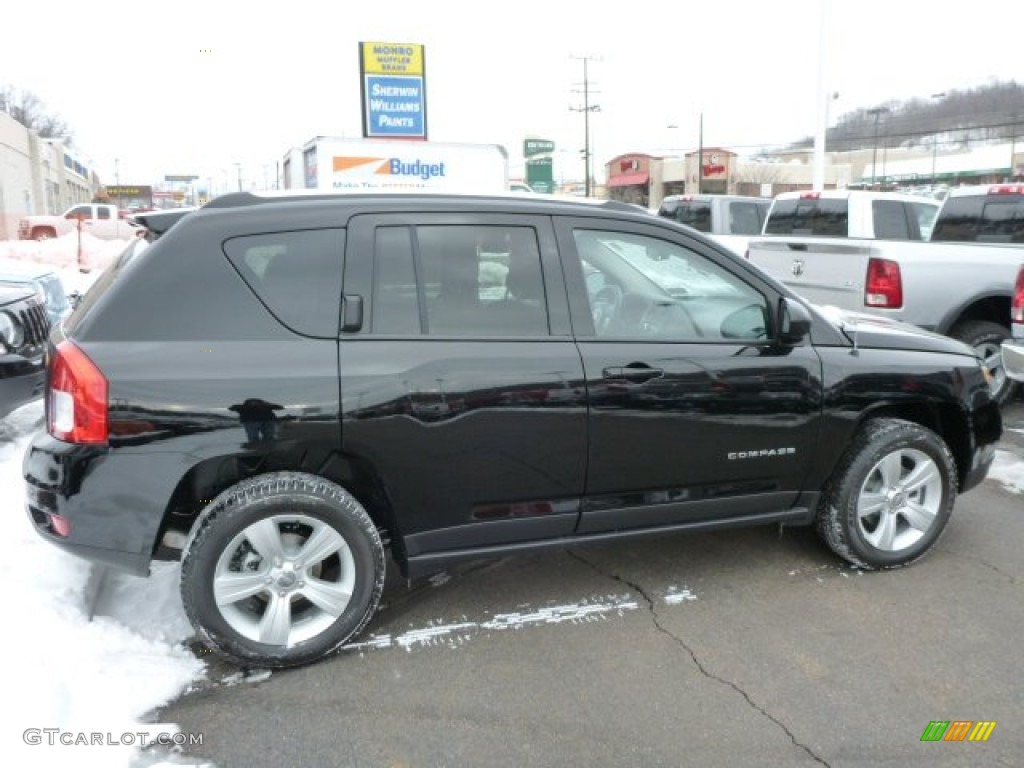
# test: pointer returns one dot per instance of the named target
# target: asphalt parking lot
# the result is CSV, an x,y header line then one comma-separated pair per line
x,y
740,648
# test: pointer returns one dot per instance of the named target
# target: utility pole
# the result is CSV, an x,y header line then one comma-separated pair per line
x,y
877,112
586,109
700,155
935,140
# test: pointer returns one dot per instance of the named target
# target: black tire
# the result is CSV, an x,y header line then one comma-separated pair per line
x,y
854,532
985,337
284,512
43,233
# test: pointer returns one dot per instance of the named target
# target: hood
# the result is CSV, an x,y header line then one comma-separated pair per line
x,y
876,332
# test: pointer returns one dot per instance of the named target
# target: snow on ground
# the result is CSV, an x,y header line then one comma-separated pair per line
x,y
1008,469
63,252
95,679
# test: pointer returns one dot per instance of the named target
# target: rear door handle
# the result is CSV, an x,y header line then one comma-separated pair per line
x,y
633,372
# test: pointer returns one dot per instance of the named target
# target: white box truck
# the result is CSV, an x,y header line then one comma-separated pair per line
x,y
376,165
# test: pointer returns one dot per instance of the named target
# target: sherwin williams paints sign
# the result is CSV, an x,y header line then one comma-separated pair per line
x,y
394,90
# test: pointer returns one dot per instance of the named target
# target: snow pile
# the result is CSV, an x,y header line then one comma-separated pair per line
x,y
69,673
62,251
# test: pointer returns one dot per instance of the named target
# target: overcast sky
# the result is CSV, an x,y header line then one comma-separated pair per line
x,y
195,87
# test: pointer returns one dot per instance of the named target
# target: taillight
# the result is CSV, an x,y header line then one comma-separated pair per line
x,y
77,407
810,196
1006,189
1017,308
884,286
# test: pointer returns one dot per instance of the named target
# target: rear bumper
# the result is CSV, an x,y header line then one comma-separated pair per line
x,y
1013,358
106,500
21,381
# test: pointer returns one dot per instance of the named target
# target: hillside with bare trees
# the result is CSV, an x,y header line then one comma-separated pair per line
x,y
956,118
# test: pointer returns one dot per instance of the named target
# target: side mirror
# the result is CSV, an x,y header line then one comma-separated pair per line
x,y
794,322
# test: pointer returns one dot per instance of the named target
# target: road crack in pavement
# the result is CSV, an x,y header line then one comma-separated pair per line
x,y
693,655
970,558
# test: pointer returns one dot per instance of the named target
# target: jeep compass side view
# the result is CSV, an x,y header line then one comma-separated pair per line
x,y
288,392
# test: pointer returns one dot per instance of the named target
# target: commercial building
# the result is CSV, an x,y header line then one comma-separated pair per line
x,y
38,175
646,179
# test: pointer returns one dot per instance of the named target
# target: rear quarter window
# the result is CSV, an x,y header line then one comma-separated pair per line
x,y
297,276
988,219
822,217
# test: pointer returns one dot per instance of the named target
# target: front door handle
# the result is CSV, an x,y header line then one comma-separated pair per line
x,y
633,372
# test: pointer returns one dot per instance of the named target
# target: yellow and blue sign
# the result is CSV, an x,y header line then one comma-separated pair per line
x,y
394,90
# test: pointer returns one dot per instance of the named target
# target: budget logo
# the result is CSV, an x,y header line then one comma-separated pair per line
x,y
958,730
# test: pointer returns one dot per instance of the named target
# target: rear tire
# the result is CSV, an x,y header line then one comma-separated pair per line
x,y
985,338
890,497
281,570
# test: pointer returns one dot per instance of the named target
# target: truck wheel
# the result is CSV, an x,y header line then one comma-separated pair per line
x,y
281,570
890,496
985,337
43,233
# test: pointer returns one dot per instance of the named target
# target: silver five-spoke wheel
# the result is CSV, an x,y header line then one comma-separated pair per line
x,y
899,500
891,495
284,579
282,569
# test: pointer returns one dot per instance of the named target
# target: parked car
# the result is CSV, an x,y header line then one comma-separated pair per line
x,y
958,287
982,214
23,330
730,219
98,219
44,280
279,388
852,213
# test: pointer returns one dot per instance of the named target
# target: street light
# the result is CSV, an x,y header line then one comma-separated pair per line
x,y
935,138
877,112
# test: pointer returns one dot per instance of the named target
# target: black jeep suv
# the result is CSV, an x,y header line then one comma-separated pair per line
x,y
24,326
279,389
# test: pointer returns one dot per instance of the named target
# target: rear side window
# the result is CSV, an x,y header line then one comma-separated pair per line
x,y
824,217
746,218
297,275
990,219
692,213
452,280
890,219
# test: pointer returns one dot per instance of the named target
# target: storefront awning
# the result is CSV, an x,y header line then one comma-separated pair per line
x,y
629,179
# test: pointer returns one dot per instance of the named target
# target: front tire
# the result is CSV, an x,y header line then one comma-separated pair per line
x,y
891,496
985,338
281,570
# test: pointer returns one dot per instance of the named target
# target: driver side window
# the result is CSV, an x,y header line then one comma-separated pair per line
x,y
641,287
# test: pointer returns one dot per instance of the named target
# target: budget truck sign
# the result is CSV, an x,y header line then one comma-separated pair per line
x,y
393,84
368,165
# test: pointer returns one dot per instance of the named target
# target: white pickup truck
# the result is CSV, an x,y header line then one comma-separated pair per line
x,y
960,287
728,219
99,220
